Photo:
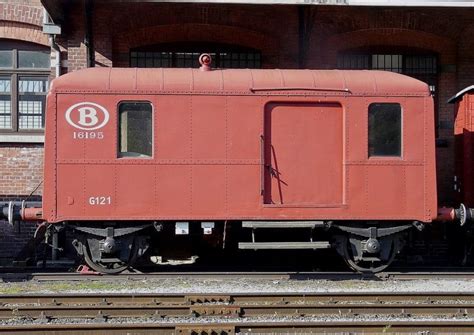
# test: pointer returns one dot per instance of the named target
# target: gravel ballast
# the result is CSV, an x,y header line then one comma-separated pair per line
x,y
241,285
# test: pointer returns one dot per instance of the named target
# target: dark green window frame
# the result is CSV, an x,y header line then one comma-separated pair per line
x,y
26,69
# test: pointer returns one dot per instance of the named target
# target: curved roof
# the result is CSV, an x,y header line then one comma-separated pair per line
x,y
460,94
238,81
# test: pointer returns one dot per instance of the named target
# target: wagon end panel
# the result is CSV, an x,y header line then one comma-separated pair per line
x,y
431,191
464,148
49,160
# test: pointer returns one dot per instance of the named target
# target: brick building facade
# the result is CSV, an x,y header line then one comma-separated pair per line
x,y
432,44
21,152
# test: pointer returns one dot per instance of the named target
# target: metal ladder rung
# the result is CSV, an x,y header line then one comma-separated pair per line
x,y
282,224
284,245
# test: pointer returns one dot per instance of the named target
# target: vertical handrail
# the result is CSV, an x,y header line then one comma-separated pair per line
x,y
262,165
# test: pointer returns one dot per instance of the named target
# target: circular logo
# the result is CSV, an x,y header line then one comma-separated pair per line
x,y
87,116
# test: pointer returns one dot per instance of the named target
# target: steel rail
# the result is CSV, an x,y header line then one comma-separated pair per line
x,y
250,327
107,298
109,306
136,311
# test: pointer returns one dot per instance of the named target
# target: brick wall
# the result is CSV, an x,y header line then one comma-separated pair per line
x,y
13,240
22,20
21,169
20,164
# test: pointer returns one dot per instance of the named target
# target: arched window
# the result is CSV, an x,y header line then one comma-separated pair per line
x,y
24,72
187,54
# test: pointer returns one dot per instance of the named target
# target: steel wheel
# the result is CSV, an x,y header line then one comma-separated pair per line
x,y
371,264
113,267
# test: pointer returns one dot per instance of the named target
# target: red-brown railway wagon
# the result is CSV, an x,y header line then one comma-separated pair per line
x,y
128,150
464,142
238,145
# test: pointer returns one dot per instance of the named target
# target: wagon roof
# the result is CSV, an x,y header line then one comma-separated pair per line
x,y
367,82
460,94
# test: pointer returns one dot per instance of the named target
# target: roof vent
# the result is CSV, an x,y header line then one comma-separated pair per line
x,y
205,61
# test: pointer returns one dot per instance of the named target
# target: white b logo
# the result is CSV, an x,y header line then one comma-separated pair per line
x,y
87,116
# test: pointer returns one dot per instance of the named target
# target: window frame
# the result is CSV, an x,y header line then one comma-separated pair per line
x,y
15,73
385,157
119,130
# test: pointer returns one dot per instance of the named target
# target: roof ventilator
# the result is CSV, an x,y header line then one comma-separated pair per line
x,y
205,60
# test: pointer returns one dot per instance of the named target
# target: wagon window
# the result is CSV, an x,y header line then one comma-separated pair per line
x,y
135,129
385,129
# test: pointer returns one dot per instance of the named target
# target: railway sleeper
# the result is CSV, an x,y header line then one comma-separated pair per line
x,y
200,299
216,310
225,329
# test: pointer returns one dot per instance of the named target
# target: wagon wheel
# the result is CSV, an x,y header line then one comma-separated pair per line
x,y
351,253
109,267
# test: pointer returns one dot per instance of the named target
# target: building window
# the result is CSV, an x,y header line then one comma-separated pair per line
x,y
385,129
421,66
180,55
24,83
136,129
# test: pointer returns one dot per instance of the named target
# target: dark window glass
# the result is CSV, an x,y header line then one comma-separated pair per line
x,y
6,59
353,62
31,102
393,63
33,59
136,129
385,129
188,56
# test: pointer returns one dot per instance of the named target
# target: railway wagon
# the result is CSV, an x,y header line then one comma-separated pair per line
x,y
348,157
464,144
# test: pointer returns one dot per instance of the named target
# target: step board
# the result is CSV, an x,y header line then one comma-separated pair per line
x,y
284,245
282,224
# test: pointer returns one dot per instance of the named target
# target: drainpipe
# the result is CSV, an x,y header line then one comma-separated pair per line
x,y
52,43
57,52
301,36
88,36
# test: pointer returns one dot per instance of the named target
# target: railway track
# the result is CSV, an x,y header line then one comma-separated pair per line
x,y
238,313
269,275
253,327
